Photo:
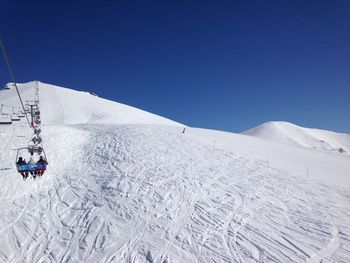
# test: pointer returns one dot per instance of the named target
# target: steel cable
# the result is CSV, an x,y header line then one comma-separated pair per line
x,y
8,65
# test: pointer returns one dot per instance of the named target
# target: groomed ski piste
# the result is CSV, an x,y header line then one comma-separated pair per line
x,y
124,185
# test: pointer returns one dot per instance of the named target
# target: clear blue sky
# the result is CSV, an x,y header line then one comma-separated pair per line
x,y
227,65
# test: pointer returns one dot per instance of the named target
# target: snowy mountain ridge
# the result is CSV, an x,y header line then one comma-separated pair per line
x,y
61,105
291,134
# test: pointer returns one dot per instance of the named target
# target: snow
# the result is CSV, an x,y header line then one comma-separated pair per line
x,y
66,106
330,167
132,187
288,133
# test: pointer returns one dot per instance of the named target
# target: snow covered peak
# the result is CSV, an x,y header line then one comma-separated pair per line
x,y
289,133
60,105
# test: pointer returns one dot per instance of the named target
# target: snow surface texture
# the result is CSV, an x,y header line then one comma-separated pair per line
x,y
149,193
288,133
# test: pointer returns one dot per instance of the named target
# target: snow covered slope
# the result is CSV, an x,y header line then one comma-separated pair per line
x,y
141,193
288,133
132,192
60,105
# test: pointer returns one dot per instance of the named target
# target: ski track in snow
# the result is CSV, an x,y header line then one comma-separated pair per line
x,y
138,193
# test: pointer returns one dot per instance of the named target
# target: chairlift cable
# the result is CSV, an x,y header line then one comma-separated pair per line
x,y
39,167
8,65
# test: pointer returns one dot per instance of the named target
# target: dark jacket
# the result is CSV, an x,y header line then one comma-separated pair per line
x,y
21,162
41,161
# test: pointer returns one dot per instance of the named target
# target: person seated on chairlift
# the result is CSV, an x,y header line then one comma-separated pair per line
x,y
31,161
21,161
41,160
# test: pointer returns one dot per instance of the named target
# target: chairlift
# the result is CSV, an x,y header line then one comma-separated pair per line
x,y
31,167
36,140
22,167
5,118
14,117
20,113
26,110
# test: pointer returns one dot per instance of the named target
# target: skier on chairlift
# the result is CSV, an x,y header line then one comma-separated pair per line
x,y
31,161
41,160
21,161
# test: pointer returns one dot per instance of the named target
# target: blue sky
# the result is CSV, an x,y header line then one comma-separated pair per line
x,y
227,65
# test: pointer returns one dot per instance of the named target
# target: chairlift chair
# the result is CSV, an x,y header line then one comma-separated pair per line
x,y
14,117
5,119
31,167
20,113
